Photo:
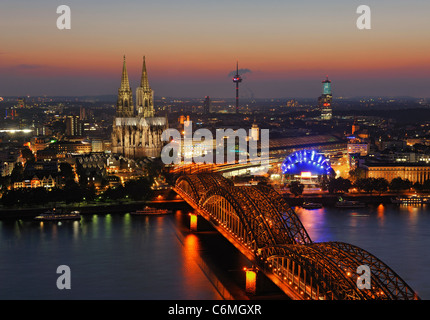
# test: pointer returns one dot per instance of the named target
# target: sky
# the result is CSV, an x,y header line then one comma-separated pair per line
x,y
191,46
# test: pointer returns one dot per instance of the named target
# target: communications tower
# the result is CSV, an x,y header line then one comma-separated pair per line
x,y
325,99
237,79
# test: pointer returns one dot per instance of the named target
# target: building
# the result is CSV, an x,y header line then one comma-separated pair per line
x,y
63,149
137,135
414,172
207,105
255,132
324,101
391,144
74,126
358,147
97,145
10,113
47,182
39,143
328,145
21,103
306,166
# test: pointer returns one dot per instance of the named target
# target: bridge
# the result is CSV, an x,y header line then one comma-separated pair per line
x,y
259,222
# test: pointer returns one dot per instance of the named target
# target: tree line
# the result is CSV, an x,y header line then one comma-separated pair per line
x,y
139,189
368,185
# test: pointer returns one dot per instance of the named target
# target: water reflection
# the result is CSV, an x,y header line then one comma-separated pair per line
x,y
157,257
190,268
314,223
398,235
380,213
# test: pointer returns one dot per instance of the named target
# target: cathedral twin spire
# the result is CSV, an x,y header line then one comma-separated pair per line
x,y
144,95
125,84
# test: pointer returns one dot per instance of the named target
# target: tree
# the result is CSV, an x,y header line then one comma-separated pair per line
x,y
426,185
339,185
365,184
139,189
17,173
67,171
296,188
380,185
357,173
27,155
398,184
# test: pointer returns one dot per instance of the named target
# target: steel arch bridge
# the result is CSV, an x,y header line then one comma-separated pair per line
x,y
258,221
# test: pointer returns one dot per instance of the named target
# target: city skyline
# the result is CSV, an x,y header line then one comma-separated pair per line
x,y
192,46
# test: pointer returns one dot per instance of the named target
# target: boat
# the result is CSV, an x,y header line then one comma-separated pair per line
x,y
414,199
349,204
58,215
396,200
312,205
151,211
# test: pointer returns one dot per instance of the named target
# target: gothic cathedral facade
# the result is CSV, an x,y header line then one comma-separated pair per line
x,y
137,132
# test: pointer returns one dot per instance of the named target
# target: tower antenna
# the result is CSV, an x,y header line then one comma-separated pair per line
x,y
237,79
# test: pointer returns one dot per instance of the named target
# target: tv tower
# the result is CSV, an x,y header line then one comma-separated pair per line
x,y
237,79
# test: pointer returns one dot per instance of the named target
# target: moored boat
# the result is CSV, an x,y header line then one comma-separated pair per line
x,y
349,204
312,205
58,215
151,211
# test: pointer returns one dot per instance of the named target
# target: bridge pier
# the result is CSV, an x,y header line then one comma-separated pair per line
x,y
193,221
251,281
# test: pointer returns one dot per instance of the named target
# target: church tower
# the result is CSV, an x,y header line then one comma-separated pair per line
x,y
137,136
144,96
124,106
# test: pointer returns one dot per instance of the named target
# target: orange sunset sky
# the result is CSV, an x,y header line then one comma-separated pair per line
x,y
192,46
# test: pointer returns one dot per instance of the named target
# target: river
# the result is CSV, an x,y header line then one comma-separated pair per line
x,y
120,256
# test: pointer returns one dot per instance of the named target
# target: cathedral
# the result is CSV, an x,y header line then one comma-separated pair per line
x,y
137,132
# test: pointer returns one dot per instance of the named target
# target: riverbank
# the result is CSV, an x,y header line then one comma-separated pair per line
x,y
332,199
170,200
93,208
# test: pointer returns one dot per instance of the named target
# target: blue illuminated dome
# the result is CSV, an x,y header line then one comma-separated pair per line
x,y
307,161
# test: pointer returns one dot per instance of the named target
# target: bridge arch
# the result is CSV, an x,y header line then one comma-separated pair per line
x,y
196,185
328,270
258,219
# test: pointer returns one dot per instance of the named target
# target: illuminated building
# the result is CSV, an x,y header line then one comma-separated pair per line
x,y
62,149
358,146
327,144
255,132
145,96
46,182
324,101
21,103
292,104
74,126
97,145
414,172
10,113
306,166
136,136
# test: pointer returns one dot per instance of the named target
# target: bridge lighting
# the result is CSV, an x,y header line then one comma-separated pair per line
x,y
395,286
251,281
193,222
